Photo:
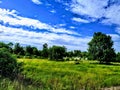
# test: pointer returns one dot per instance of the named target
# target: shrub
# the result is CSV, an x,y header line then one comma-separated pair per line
x,y
8,64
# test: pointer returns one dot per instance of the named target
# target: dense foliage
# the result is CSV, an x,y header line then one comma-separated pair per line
x,y
118,57
101,48
57,53
53,52
8,64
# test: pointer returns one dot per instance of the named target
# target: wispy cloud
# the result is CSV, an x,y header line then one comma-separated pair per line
x,y
92,8
112,15
37,2
53,11
11,18
10,34
54,35
96,9
118,30
80,20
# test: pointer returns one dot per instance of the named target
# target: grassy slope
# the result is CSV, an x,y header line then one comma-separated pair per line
x,y
51,75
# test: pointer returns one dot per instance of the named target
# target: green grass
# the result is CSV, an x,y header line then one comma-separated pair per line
x,y
51,75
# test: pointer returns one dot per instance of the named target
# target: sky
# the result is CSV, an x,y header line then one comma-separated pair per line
x,y
69,23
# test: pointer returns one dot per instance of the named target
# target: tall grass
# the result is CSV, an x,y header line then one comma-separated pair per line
x,y
51,75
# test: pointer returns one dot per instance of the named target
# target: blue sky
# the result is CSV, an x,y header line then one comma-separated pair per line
x,y
71,23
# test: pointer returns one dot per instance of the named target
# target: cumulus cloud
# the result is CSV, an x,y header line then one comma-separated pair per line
x,y
37,2
11,18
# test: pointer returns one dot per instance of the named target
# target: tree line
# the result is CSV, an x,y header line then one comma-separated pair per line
x,y
100,48
52,53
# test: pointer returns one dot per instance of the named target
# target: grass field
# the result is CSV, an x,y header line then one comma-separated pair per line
x,y
51,75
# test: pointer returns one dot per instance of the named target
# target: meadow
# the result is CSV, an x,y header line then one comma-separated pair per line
x,y
39,74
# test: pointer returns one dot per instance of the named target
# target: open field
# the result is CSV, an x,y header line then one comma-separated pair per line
x,y
40,74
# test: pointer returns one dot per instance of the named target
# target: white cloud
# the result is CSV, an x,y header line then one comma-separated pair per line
x,y
22,36
80,20
53,11
11,17
96,10
113,15
72,27
61,25
118,30
36,1
92,8
116,39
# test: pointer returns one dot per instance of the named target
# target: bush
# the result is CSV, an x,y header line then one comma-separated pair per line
x,y
8,64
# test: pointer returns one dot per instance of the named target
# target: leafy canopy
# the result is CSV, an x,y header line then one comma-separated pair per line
x,y
100,48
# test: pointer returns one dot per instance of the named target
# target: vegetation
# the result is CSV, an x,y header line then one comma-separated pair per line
x,y
8,64
53,53
118,57
45,51
41,71
42,74
100,48
57,53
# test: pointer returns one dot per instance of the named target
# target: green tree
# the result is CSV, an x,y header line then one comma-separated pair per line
x,y
77,53
45,51
28,50
3,45
70,54
57,52
84,54
7,46
118,57
35,51
10,44
18,50
100,48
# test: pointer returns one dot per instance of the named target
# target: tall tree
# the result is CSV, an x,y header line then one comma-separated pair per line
x,y
70,54
57,52
77,53
101,48
19,50
10,44
3,45
45,50
28,50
